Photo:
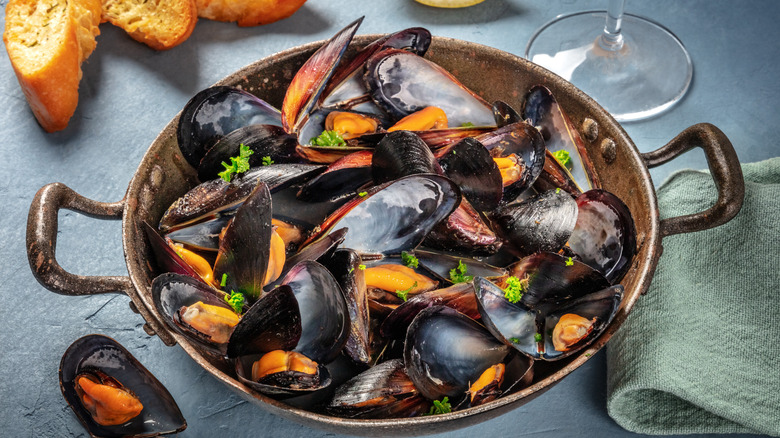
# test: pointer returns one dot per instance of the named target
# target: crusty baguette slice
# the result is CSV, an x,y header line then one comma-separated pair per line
x,y
47,40
160,24
248,12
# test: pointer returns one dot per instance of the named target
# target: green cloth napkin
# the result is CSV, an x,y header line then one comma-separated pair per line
x,y
700,353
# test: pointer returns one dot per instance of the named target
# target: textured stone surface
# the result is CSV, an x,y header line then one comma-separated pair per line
x,y
128,94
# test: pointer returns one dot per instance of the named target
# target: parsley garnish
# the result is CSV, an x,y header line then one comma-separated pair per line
x,y
236,301
514,340
467,125
409,260
458,274
267,161
514,289
224,280
563,157
569,262
239,164
350,270
404,294
328,138
538,337
557,190
362,267
362,194
440,407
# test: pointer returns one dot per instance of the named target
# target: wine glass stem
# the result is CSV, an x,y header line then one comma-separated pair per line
x,y
611,39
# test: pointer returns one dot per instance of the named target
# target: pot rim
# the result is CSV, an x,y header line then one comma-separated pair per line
x,y
642,268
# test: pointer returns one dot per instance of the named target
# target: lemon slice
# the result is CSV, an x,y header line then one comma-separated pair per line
x,y
450,3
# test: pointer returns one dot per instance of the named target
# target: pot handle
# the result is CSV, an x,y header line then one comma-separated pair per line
x,y
724,167
42,223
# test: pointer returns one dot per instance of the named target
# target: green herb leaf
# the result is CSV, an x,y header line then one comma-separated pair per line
x,y
458,274
404,294
514,289
362,267
362,194
563,157
239,164
267,161
557,190
328,138
236,301
514,340
569,262
224,280
538,337
440,407
467,125
410,260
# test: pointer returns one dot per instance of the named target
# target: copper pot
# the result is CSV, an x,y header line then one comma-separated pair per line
x,y
164,175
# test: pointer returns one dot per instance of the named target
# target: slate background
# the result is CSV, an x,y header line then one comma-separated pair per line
x,y
130,92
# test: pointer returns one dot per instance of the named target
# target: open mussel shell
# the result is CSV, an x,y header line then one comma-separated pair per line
x,y
554,176
265,141
272,323
324,314
541,223
505,114
342,178
171,292
559,133
470,166
344,264
441,264
311,79
604,237
245,248
203,236
464,231
285,383
160,414
166,257
445,351
402,83
401,153
217,197
382,391
215,112
394,217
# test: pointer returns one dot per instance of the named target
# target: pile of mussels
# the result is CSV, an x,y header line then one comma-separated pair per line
x,y
440,251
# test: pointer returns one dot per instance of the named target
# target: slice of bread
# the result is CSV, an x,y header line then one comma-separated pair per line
x,y
248,12
47,40
160,24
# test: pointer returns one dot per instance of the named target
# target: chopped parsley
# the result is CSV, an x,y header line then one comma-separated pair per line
x,y
328,138
362,194
563,157
267,161
362,267
557,190
224,280
514,289
458,274
236,301
514,340
467,125
538,337
440,407
404,294
569,262
239,164
409,260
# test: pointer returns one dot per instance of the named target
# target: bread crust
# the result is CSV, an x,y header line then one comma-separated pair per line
x,y
248,12
46,41
160,24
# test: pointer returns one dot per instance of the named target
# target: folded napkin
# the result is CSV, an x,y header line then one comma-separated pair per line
x,y
700,353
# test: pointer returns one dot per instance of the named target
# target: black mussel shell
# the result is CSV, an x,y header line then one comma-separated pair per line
x,y
272,323
319,250
442,264
505,114
245,248
604,237
342,178
166,257
285,383
203,236
464,231
265,141
445,351
381,391
215,112
402,83
541,223
344,264
472,168
324,313
394,217
171,292
311,79
160,414
399,154
554,176
542,110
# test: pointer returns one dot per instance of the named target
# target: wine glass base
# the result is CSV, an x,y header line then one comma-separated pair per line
x,y
647,76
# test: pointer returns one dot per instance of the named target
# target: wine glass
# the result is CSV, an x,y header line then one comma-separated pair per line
x,y
634,75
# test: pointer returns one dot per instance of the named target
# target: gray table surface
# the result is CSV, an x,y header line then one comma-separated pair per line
x,y
129,93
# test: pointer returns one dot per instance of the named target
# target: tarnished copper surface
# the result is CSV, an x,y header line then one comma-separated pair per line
x,y
164,175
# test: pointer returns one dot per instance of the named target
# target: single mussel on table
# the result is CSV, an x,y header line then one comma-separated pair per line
x,y
387,243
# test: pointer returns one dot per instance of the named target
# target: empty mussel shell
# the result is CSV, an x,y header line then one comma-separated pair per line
x,y
160,414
